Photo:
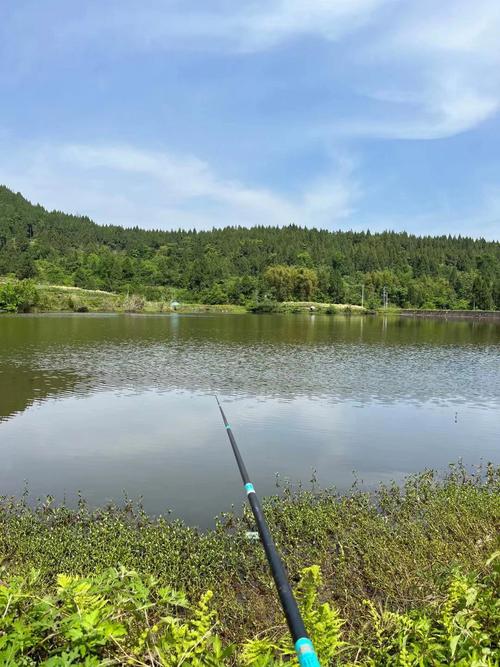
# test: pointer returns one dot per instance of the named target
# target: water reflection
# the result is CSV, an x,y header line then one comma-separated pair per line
x,y
108,404
357,359
172,449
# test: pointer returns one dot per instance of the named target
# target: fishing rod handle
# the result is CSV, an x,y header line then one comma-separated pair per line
x,y
306,653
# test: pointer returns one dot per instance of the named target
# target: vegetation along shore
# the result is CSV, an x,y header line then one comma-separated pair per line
x,y
25,296
407,575
241,266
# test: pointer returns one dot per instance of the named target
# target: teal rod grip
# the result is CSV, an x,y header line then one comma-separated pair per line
x,y
306,653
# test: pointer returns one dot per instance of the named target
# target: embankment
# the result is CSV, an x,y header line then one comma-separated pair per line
x,y
454,314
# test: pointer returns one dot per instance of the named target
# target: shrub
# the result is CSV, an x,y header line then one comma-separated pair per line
x,y
18,296
76,304
396,547
461,629
215,295
119,617
133,303
322,622
116,617
266,306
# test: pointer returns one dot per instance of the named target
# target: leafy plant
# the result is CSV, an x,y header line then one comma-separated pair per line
x,y
18,296
395,546
113,618
119,617
463,629
322,621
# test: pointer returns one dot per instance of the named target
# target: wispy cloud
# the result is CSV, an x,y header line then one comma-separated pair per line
x,y
441,108
130,186
434,70
263,91
437,64
240,26
446,55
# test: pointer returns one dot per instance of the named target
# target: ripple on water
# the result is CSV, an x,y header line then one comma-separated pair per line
x,y
339,371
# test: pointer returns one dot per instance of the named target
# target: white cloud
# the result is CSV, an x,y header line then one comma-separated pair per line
x,y
129,186
273,22
444,64
447,54
240,26
453,26
436,63
444,109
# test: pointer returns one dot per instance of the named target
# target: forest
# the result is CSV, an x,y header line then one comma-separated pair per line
x,y
241,265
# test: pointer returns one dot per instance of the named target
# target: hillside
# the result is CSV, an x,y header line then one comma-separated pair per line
x,y
236,264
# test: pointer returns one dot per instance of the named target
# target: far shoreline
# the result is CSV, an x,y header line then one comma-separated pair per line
x,y
70,299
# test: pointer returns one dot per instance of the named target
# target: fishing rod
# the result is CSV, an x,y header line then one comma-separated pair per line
x,y
303,644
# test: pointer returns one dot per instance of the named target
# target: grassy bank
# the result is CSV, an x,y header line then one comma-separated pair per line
x,y
26,296
54,298
388,564
305,307
73,299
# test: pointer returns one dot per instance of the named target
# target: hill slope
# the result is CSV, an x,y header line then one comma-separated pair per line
x,y
237,264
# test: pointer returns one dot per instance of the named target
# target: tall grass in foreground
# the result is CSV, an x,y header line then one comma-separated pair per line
x,y
403,575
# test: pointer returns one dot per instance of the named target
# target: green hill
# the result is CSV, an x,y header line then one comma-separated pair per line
x,y
236,265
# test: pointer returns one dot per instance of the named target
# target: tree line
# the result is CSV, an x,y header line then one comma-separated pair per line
x,y
238,265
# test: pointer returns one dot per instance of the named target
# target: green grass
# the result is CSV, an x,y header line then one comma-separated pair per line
x,y
63,298
121,617
74,299
57,298
320,307
397,548
311,307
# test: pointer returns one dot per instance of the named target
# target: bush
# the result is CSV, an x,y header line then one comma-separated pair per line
x,y
463,628
215,295
76,305
266,306
397,547
322,622
120,617
18,296
133,303
116,617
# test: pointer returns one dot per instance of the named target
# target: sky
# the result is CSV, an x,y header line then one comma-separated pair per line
x,y
338,114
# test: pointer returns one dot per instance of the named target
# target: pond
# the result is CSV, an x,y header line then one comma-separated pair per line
x,y
123,405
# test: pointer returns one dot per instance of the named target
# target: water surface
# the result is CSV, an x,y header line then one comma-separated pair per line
x,y
114,404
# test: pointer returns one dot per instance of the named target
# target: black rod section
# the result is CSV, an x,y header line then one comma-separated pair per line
x,y
303,645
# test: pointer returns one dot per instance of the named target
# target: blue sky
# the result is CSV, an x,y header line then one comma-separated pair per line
x,y
340,114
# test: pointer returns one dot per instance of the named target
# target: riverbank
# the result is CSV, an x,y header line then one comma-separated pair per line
x,y
453,314
387,561
61,298
74,299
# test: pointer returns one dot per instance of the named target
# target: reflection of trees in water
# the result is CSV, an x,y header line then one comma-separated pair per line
x,y
342,358
339,371
21,386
